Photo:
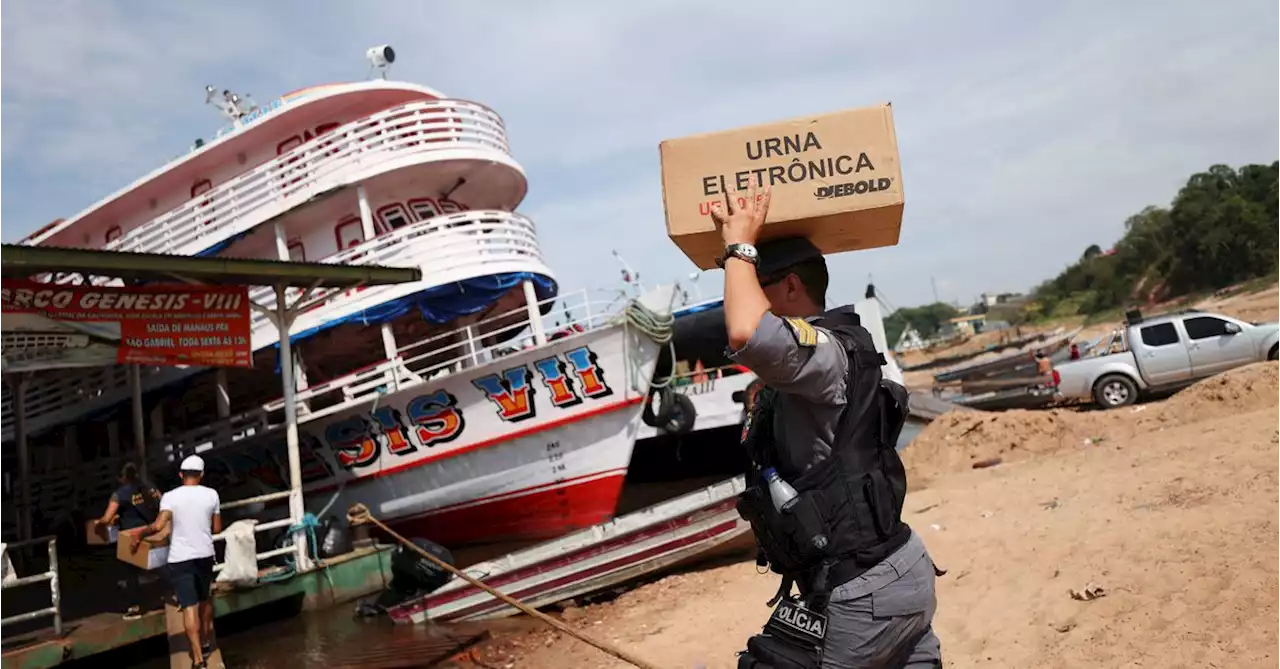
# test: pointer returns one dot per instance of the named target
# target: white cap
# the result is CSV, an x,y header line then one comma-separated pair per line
x,y
193,463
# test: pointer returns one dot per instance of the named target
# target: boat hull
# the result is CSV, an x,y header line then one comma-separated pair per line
x,y
531,445
631,546
544,484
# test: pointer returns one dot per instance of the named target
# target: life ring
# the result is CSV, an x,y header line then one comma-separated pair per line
x,y
650,416
675,413
680,416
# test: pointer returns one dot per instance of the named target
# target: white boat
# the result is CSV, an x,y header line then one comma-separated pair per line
x,y
590,560
458,407
662,535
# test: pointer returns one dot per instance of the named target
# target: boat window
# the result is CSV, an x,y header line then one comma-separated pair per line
x,y
1205,327
296,251
348,232
200,188
393,217
424,208
1161,334
448,206
288,145
113,233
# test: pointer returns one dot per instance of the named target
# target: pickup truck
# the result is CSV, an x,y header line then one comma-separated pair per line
x,y
1163,353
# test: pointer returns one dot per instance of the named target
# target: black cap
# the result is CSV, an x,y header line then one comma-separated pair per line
x,y
777,255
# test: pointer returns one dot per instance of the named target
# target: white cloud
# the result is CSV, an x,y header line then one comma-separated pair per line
x,y
1027,130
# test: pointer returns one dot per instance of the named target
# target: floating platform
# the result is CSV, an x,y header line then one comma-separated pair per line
x,y
341,579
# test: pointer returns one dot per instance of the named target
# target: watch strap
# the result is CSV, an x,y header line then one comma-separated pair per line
x,y
733,250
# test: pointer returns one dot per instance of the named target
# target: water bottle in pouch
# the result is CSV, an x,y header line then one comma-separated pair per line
x,y
784,499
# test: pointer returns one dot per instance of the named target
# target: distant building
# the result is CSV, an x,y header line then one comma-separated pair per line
x,y
992,299
969,325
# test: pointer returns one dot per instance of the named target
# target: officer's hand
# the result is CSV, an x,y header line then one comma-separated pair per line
x,y
743,216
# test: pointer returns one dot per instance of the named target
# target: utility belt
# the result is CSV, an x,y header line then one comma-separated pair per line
x,y
800,543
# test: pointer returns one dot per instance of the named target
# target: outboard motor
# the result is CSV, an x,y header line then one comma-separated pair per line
x,y
412,576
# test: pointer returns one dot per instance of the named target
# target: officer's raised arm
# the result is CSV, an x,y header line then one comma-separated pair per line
x,y
794,357
768,294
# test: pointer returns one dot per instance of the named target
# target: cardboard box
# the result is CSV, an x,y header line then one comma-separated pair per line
x,y
99,536
149,555
836,179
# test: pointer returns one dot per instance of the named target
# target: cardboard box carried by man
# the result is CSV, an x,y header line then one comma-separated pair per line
x,y
151,553
835,179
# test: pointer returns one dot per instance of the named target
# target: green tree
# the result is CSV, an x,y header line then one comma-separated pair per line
x,y
1220,229
927,320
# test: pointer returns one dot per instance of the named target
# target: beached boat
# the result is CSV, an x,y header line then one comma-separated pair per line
x,y
654,530
458,407
621,550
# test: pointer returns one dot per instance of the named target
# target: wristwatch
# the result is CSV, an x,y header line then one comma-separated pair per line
x,y
745,252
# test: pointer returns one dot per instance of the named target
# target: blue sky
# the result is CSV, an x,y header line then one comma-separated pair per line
x,y
1027,130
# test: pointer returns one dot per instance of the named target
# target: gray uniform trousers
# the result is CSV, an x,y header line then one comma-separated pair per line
x,y
884,618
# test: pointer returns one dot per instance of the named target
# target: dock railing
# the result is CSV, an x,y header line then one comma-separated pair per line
x,y
260,526
55,596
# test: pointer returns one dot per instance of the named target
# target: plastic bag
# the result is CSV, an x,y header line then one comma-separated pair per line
x,y
335,539
7,574
240,565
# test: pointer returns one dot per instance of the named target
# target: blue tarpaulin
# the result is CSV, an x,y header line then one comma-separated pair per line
x,y
441,304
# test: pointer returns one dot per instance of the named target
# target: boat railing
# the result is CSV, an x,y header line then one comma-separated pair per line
x,y
442,245
265,191
414,364
54,392
51,576
718,372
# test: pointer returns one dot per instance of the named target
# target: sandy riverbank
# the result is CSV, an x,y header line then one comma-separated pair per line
x,y
1169,506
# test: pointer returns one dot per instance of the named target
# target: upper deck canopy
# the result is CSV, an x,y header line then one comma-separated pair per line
x,y
24,261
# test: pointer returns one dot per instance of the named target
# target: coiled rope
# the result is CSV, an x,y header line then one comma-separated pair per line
x,y
309,524
658,327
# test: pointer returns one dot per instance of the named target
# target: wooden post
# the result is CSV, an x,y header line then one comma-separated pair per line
x,y
24,454
139,426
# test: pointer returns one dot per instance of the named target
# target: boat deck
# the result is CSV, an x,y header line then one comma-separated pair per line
x,y
343,578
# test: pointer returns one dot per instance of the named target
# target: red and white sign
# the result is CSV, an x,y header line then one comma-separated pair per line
x,y
171,324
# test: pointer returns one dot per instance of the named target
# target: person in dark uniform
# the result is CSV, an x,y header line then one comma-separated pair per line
x,y
820,423
136,503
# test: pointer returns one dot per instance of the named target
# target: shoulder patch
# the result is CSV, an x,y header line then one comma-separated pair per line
x,y
806,335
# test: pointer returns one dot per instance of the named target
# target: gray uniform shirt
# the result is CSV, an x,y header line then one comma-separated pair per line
x,y
811,381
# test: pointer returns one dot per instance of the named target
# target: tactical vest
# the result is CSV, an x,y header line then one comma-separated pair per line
x,y
854,497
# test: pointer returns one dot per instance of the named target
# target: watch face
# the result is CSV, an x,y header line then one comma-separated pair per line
x,y
745,250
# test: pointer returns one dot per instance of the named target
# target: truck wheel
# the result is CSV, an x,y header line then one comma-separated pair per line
x,y
1115,390
1274,353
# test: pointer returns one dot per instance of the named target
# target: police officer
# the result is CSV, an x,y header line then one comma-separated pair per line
x,y
875,584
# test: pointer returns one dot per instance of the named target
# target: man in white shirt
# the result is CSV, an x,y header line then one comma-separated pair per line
x,y
194,512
